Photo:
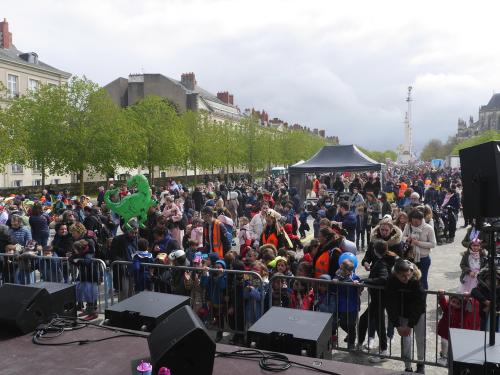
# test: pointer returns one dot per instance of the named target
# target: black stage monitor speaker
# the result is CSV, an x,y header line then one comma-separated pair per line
x,y
470,356
62,297
480,167
23,307
143,311
292,331
182,344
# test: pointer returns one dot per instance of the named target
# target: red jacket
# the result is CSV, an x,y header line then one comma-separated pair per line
x,y
467,317
307,300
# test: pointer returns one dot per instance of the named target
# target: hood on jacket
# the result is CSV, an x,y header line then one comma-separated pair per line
x,y
417,274
222,263
394,239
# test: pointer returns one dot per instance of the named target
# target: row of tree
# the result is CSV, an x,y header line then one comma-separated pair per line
x,y
77,128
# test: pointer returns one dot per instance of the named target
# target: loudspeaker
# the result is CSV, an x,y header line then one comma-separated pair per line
x,y
470,356
62,297
182,344
480,167
144,311
292,331
23,307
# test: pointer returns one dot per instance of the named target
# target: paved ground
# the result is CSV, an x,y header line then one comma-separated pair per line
x,y
444,274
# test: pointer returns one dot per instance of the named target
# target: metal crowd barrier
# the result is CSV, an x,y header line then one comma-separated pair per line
x,y
89,275
225,300
368,315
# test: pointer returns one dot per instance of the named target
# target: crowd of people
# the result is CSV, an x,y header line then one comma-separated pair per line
x,y
217,229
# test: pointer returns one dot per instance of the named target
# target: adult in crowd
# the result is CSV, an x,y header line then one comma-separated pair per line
x,y
39,224
420,239
272,233
346,219
450,207
215,237
405,301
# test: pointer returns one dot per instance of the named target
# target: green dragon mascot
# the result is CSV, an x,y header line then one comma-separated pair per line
x,y
135,205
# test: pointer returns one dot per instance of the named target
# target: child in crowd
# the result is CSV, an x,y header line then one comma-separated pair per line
x,y
458,312
325,298
280,292
348,301
193,285
482,293
473,260
9,267
87,279
160,277
361,219
215,284
304,226
294,239
244,236
191,250
197,232
254,293
50,269
142,278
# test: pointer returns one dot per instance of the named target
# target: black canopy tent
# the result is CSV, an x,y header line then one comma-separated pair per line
x,y
338,158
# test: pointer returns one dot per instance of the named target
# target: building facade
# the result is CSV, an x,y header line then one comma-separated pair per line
x,y
19,73
489,119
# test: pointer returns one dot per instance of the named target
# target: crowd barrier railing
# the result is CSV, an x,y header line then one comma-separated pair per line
x,y
225,300
89,275
359,315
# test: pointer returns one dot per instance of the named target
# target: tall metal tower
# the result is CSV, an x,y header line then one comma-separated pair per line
x,y
408,132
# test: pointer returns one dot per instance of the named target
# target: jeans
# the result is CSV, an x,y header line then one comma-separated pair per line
x,y
347,321
373,320
423,266
406,342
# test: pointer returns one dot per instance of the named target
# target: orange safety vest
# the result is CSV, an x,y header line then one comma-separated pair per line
x,y
217,246
402,188
322,265
273,239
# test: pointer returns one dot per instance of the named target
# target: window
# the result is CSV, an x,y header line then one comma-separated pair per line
x,y
16,168
12,86
37,169
33,84
37,182
56,181
17,183
163,174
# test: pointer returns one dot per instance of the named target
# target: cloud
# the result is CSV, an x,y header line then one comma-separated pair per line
x,y
344,67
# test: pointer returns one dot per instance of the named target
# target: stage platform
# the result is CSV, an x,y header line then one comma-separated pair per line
x,y
18,355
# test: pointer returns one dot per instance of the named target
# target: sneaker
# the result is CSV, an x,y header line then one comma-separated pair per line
x,y
91,316
369,344
420,369
443,361
379,358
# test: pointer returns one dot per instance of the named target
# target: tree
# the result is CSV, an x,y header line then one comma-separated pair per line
x,y
34,119
435,149
487,136
159,139
380,156
93,137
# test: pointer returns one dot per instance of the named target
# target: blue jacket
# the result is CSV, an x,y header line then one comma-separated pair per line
x,y
348,223
326,302
215,287
254,298
348,296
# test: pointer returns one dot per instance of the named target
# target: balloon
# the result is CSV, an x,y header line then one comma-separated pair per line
x,y
349,256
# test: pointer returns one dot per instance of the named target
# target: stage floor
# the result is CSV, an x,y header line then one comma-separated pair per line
x,y
18,355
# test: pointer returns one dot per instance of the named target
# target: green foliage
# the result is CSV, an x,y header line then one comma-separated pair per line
x,y
435,149
380,156
490,135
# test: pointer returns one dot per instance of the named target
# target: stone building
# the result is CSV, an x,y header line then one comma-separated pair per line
x,y
489,119
20,72
185,94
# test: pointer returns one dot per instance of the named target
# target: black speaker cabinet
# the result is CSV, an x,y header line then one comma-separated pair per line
x,y
23,307
480,167
292,331
469,356
144,311
182,344
62,298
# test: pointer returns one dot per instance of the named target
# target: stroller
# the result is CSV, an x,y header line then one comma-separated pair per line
x,y
439,226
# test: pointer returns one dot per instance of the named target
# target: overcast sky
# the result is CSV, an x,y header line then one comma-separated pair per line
x,y
337,65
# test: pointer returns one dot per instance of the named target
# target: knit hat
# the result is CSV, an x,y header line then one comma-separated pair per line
x,y
214,257
176,254
273,262
340,231
222,263
325,276
386,220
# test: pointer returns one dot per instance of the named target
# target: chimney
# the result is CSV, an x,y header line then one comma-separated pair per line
x,y
223,97
188,80
5,35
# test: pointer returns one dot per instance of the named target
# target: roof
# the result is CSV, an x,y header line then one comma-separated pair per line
x,y
337,158
12,55
494,103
